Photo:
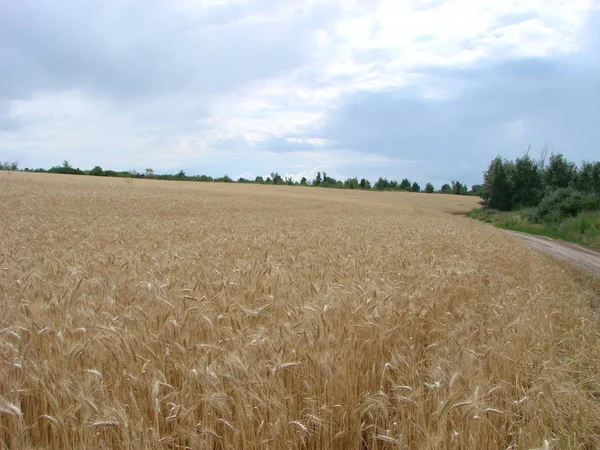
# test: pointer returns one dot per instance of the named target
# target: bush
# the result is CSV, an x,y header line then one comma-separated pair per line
x,y
224,179
566,202
487,215
97,171
586,227
530,215
66,170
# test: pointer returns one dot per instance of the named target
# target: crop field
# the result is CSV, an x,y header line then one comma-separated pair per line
x,y
140,314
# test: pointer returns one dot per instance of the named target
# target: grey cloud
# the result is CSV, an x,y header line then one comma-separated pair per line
x,y
7,123
555,101
283,145
140,49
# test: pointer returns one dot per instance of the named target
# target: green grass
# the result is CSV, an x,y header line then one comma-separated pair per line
x,y
584,229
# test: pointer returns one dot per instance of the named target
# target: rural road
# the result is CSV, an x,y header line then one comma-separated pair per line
x,y
582,257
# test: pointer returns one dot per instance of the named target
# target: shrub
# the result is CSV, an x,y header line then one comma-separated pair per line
x,y
566,202
66,170
530,215
488,215
586,226
97,171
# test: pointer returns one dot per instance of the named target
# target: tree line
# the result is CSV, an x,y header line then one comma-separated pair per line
x,y
9,165
552,188
322,179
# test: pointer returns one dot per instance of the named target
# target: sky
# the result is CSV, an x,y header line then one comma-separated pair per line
x,y
429,90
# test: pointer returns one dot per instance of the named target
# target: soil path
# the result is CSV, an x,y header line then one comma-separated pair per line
x,y
583,257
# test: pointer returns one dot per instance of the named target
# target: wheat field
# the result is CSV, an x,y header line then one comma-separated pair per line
x,y
139,314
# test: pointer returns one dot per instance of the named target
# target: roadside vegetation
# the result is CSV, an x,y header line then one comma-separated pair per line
x,y
554,198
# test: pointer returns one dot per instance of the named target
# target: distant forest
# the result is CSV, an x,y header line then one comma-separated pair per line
x,y
321,180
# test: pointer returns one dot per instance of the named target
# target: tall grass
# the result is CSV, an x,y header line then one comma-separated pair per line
x,y
162,316
585,225
582,229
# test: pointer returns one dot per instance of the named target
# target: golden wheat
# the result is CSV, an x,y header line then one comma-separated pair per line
x,y
185,315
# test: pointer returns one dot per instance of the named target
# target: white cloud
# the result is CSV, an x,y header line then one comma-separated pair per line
x,y
311,141
49,106
383,46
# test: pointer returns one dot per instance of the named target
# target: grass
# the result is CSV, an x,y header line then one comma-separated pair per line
x,y
584,229
187,315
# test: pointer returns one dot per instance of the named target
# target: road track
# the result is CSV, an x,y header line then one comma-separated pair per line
x,y
582,257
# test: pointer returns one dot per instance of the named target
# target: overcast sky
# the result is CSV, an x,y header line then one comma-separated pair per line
x,y
430,90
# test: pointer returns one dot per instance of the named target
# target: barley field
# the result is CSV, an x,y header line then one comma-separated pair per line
x,y
140,314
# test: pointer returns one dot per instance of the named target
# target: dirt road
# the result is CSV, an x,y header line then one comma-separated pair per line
x,y
580,256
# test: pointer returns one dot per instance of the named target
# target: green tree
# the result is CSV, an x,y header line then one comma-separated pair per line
x,y
303,181
224,179
496,192
330,181
458,188
415,187
351,183
66,168
381,184
445,189
596,178
405,185
10,165
318,180
276,178
97,171
259,180
365,184
560,173
149,173
527,183
585,177
429,188
476,189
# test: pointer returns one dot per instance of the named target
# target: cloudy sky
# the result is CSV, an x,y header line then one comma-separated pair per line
x,y
431,90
